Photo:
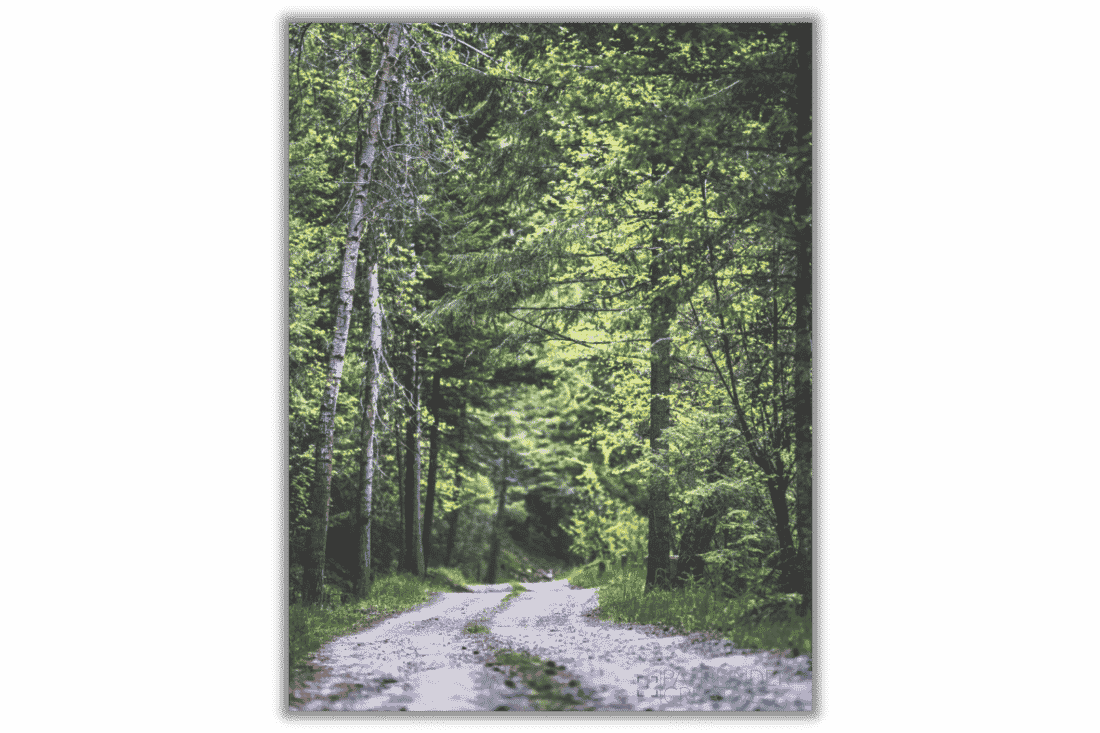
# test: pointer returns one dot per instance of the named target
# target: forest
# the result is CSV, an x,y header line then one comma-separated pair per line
x,y
550,308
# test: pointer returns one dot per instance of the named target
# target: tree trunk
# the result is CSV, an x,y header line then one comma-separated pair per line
x,y
369,411
452,535
803,323
314,570
433,464
414,548
399,458
662,309
414,543
498,521
460,464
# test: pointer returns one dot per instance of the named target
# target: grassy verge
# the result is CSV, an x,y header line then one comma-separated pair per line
x,y
749,623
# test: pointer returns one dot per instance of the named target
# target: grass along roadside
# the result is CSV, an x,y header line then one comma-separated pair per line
x,y
749,623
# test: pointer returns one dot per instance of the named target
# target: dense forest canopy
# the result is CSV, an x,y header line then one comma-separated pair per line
x,y
550,297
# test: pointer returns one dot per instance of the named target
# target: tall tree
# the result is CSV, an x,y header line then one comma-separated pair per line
x,y
315,567
502,501
414,543
803,325
433,462
369,409
662,310
460,466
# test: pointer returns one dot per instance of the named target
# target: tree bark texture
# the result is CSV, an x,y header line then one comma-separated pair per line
x,y
433,464
803,324
460,465
414,548
369,411
399,461
498,520
414,543
662,310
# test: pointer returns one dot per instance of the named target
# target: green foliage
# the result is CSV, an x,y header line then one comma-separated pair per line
x,y
780,607
301,477
311,253
551,685
546,201
476,491
603,525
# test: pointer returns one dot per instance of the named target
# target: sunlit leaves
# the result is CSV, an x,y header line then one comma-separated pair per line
x,y
604,525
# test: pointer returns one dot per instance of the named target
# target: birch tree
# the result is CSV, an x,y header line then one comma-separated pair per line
x,y
414,543
314,575
369,410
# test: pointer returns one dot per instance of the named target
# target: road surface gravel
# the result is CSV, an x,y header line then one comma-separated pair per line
x,y
425,660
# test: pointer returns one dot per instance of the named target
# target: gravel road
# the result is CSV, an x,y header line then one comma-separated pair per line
x,y
424,660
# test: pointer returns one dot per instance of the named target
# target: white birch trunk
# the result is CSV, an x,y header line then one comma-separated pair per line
x,y
315,570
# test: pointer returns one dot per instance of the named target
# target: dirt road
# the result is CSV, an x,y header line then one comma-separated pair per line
x,y
425,660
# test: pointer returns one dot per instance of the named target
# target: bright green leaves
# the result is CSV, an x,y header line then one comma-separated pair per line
x,y
604,525
476,490
584,180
